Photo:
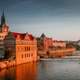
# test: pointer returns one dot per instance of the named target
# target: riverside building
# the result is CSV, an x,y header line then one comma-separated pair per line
x,y
22,47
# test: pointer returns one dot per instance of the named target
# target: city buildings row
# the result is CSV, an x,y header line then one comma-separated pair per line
x,y
24,47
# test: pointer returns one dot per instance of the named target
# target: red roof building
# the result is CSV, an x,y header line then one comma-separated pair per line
x,y
24,46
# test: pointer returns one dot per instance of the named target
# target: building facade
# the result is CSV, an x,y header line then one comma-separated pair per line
x,y
22,47
26,48
57,43
44,42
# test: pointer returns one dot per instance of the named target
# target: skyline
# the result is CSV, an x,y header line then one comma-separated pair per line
x,y
59,19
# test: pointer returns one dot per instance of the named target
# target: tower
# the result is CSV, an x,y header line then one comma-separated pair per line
x,y
3,21
3,27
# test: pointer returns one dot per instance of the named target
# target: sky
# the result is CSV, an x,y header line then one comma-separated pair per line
x,y
59,19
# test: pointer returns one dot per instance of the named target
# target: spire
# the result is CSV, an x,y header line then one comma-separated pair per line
x,y
43,35
3,19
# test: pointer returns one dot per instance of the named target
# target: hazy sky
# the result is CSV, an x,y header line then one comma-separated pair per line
x,y
59,19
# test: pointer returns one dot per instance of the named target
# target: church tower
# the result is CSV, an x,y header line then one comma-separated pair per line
x,y
3,27
3,19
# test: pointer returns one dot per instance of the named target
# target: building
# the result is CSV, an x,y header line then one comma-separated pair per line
x,y
57,43
22,47
4,29
44,43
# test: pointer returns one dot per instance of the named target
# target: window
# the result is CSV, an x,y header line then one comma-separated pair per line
x,y
25,48
25,55
29,48
29,54
22,56
32,54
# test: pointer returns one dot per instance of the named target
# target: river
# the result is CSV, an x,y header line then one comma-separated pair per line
x,y
52,69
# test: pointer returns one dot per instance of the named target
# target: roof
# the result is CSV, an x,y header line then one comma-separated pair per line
x,y
22,35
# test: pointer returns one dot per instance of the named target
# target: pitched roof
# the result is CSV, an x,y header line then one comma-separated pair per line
x,y
22,35
31,36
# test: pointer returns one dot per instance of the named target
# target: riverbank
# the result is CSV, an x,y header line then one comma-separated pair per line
x,y
55,53
7,64
11,63
55,69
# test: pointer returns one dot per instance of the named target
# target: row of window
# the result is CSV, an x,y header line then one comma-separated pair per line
x,y
27,43
26,55
28,48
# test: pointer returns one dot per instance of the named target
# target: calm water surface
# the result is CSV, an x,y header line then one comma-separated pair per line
x,y
57,69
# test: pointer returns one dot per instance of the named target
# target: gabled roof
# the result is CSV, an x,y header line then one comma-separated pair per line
x,y
15,34
30,36
22,35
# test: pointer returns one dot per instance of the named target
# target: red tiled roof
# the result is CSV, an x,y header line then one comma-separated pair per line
x,y
30,36
22,35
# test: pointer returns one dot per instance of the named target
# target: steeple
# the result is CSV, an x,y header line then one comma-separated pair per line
x,y
3,21
43,35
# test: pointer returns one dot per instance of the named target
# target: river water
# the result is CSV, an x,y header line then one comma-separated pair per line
x,y
52,69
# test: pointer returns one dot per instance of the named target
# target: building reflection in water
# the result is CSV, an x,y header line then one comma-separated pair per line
x,y
7,74
26,72
21,72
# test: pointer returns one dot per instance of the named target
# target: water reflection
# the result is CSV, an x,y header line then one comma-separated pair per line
x,y
26,72
20,72
7,74
44,70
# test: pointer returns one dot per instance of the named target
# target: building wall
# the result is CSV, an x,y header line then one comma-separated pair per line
x,y
59,44
10,48
48,42
3,33
26,51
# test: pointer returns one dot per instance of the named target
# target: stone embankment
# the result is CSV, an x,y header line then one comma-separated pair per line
x,y
54,53
7,64
62,52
